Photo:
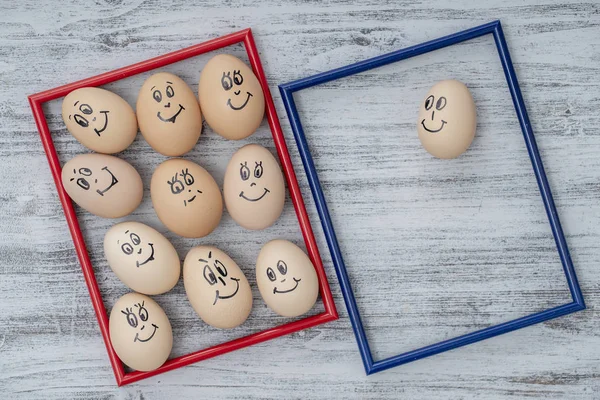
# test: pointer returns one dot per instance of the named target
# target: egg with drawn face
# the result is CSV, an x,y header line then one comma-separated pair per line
x,y
447,119
103,185
254,188
286,278
142,258
231,97
168,114
140,332
186,198
100,120
216,287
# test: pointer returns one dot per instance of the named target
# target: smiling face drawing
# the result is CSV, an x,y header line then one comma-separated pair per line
x,y
84,178
216,287
140,332
254,188
99,119
132,245
183,182
168,114
286,278
231,97
447,119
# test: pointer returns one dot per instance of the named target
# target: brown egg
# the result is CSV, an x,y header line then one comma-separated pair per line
x,y
286,278
447,119
216,287
231,97
100,120
103,185
142,258
168,114
254,189
140,332
186,198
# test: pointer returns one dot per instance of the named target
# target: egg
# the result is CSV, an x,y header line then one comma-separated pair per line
x,y
231,97
216,287
103,185
142,258
100,120
186,198
447,119
168,114
140,332
253,188
286,278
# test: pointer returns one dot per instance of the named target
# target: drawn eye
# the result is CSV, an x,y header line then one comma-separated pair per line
x,y
258,170
221,268
441,103
86,109
271,274
187,177
282,267
209,275
244,172
237,77
143,313
81,121
157,96
85,171
135,239
176,185
131,318
82,183
170,92
226,81
127,248
429,102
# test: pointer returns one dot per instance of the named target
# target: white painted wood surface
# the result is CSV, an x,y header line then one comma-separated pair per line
x,y
434,248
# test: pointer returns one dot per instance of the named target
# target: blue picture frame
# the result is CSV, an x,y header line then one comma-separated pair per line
x,y
287,90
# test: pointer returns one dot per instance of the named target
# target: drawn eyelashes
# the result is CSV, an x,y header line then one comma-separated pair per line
x,y
440,104
245,171
128,248
177,185
157,95
281,267
132,318
226,81
210,276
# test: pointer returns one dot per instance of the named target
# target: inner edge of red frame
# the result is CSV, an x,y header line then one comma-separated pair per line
x,y
245,36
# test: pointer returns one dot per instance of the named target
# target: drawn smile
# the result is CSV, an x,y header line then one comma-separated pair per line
x,y
432,130
173,118
258,198
137,263
217,296
185,202
137,335
98,132
290,290
242,106
113,182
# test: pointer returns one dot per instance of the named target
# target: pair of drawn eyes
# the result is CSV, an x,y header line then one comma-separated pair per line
x,y
226,81
82,182
157,95
281,267
210,276
132,318
128,248
245,171
87,110
441,103
177,185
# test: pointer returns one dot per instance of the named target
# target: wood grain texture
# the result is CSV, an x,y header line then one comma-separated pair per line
x,y
434,248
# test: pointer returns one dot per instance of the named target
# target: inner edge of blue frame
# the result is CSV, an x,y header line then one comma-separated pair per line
x,y
287,96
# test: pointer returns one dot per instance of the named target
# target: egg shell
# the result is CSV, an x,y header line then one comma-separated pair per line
x,y
254,188
231,97
186,198
103,185
99,119
140,332
447,119
216,287
168,114
142,258
286,278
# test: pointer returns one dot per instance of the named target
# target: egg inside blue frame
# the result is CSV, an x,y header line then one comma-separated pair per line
x,y
494,28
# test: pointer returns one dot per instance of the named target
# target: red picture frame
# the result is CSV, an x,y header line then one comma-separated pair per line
x,y
245,36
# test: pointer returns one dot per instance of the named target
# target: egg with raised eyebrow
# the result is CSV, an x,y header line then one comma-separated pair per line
x,y
216,287
140,332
